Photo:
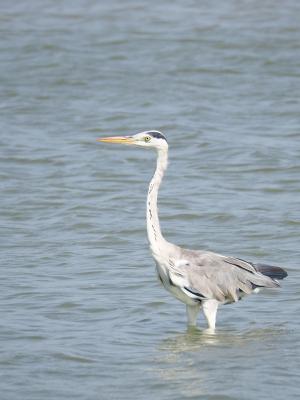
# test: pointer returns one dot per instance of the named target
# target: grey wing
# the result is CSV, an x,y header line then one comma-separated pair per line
x,y
207,275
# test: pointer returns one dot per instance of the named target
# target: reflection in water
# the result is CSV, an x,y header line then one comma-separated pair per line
x,y
195,339
177,366
191,340
190,361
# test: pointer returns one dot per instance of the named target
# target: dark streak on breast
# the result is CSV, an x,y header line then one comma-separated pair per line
x,y
170,281
195,293
160,278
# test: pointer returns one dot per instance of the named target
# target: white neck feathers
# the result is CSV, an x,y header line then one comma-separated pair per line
x,y
155,237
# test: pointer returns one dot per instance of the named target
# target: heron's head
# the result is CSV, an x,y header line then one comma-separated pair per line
x,y
150,139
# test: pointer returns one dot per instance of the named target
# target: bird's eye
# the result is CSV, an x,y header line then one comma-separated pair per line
x,y
147,138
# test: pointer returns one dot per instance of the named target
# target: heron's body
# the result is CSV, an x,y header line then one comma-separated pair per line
x,y
200,279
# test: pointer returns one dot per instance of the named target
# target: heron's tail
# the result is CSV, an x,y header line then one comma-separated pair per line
x,y
271,271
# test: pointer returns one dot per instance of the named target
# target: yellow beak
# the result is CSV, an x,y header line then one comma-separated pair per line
x,y
117,139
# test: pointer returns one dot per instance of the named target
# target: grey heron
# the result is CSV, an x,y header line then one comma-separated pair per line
x,y
200,279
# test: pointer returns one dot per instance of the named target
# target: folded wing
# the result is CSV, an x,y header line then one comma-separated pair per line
x,y
207,275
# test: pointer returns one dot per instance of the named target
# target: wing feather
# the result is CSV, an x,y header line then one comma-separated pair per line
x,y
207,275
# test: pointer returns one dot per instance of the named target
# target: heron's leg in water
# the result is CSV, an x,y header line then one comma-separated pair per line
x,y
210,308
192,314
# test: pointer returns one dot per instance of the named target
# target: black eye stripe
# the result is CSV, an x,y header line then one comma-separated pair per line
x,y
157,135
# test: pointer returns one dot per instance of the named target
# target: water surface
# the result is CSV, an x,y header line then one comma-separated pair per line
x,y
82,313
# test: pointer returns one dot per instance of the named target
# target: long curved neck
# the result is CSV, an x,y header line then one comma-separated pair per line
x,y
155,236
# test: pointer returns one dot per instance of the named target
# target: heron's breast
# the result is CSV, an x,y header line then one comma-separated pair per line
x,y
176,291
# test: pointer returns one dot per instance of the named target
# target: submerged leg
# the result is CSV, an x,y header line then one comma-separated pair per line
x,y
210,308
192,314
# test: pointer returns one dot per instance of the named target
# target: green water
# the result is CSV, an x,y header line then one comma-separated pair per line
x,y
82,314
